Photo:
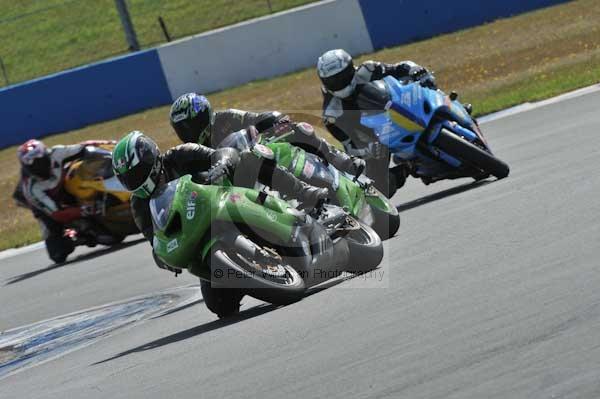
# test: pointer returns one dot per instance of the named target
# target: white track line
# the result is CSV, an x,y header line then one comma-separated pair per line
x,y
9,253
531,106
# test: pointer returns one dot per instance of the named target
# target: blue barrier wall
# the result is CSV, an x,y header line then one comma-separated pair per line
x,y
82,96
124,85
394,22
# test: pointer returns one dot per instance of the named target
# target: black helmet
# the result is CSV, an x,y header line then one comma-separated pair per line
x,y
35,158
192,118
336,71
137,164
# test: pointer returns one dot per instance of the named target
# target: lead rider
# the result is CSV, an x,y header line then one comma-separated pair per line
x,y
342,84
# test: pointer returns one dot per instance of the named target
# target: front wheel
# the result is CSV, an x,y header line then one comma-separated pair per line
x,y
59,248
386,224
224,302
472,155
256,271
364,247
384,217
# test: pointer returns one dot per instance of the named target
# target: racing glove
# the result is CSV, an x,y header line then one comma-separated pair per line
x,y
215,174
373,150
423,76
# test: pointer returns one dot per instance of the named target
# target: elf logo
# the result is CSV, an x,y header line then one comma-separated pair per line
x,y
191,206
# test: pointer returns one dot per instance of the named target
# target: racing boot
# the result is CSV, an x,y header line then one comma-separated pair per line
x,y
292,187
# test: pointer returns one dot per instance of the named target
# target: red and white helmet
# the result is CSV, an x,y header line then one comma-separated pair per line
x,y
34,158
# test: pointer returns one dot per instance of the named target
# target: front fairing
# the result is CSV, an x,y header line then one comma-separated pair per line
x,y
183,212
241,140
420,104
93,175
410,113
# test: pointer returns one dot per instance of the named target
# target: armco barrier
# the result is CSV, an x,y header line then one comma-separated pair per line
x,y
394,22
264,47
82,96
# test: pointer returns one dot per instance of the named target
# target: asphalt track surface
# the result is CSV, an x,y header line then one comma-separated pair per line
x,y
489,291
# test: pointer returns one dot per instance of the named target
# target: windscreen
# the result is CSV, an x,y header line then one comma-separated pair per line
x,y
238,140
160,204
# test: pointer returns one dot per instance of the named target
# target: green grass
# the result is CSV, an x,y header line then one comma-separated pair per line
x,y
494,66
539,87
41,37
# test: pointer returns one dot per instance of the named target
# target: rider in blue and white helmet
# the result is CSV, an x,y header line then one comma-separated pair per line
x,y
341,82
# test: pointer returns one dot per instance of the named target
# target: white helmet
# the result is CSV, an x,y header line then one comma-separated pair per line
x,y
336,71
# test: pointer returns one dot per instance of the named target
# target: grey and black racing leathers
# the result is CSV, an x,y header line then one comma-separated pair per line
x,y
272,124
341,117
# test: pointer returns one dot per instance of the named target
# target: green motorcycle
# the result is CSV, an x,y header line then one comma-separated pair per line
x,y
242,241
356,194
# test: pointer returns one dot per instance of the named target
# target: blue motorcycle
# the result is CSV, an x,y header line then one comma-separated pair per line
x,y
429,134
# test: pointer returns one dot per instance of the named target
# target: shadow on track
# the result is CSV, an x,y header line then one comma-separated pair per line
x,y
178,309
194,331
442,194
216,324
80,258
328,284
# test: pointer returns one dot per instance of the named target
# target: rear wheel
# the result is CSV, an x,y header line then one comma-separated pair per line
x,y
257,271
474,156
364,246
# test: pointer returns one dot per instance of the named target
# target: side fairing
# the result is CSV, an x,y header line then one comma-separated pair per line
x,y
411,109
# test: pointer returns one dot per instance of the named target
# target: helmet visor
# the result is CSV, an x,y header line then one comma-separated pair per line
x,y
136,176
40,167
194,129
340,80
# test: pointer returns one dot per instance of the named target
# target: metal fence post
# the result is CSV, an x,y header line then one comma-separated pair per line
x,y
4,71
127,25
163,26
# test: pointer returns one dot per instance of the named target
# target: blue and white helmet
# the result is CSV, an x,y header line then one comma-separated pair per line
x,y
337,73
192,118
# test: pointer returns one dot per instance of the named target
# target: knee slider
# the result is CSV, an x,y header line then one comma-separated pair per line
x,y
306,129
